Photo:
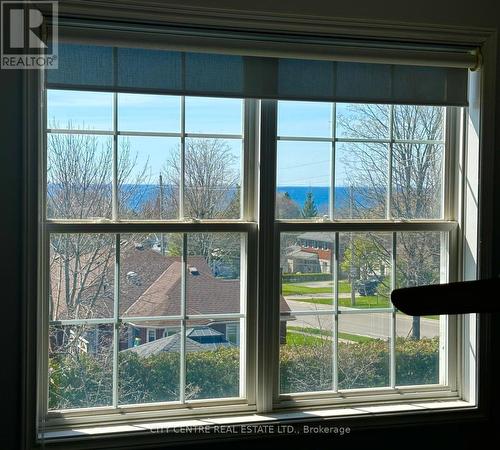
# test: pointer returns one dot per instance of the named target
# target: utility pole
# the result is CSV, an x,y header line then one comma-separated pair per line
x,y
353,268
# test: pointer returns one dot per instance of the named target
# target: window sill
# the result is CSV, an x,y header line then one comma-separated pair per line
x,y
259,424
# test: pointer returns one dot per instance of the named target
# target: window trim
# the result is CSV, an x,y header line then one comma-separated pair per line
x,y
276,401
483,106
247,229
447,358
279,401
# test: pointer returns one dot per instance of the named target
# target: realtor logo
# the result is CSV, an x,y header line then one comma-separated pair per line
x,y
25,42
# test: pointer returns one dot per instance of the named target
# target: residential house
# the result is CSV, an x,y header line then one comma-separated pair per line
x,y
150,286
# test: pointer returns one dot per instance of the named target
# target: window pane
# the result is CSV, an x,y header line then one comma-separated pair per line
x,y
362,121
78,176
213,178
213,282
306,354
304,119
417,181
79,110
150,275
81,276
80,366
363,360
418,262
214,115
149,362
303,179
364,270
148,177
213,363
412,122
139,112
361,180
306,272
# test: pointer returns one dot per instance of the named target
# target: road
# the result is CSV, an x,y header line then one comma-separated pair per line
x,y
373,325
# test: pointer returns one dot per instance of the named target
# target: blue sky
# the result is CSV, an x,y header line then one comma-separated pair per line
x,y
299,163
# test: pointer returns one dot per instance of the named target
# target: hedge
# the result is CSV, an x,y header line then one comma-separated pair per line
x,y
82,380
304,277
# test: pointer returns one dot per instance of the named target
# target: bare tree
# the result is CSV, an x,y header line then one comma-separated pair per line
x,y
416,178
286,208
212,185
210,179
79,186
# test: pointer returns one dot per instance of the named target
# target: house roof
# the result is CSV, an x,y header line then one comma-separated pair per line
x,y
322,254
173,343
150,285
205,294
319,236
300,253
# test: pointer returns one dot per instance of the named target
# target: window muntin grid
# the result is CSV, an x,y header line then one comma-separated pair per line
x,y
324,142
337,224
181,224
180,227
319,320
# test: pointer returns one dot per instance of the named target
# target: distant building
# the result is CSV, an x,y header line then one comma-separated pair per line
x,y
312,253
299,260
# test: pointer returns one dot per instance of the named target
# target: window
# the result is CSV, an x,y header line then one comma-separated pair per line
x,y
154,162
376,161
232,333
151,334
199,224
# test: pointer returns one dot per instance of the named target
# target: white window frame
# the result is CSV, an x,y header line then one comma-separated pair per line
x,y
448,224
471,137
148,331
446,389
245,226
235,330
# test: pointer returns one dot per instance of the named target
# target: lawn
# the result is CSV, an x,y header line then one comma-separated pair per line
x,y
355,337
310,330
369,301
299,338
302,289
302,339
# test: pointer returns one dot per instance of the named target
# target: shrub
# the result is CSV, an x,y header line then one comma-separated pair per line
x,y
83,380
304,277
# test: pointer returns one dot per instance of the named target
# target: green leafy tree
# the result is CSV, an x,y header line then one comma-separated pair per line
x,y
365,257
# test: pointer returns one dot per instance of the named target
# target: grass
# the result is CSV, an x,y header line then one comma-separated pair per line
x,y
302,339
355,337
368,301
293,289
361,302
309,330
302,289
303,336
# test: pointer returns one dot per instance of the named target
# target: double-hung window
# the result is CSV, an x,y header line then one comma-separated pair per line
x,y
223,224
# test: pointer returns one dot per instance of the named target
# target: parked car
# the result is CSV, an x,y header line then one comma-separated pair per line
x,y
368,287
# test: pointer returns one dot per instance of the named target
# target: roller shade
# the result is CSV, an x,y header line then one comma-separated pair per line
x,y
228,66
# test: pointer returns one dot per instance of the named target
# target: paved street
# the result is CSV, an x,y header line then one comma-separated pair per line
x,y
373,325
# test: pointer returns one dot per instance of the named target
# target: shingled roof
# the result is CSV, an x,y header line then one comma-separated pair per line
x,y
173,343
205,294
150,285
